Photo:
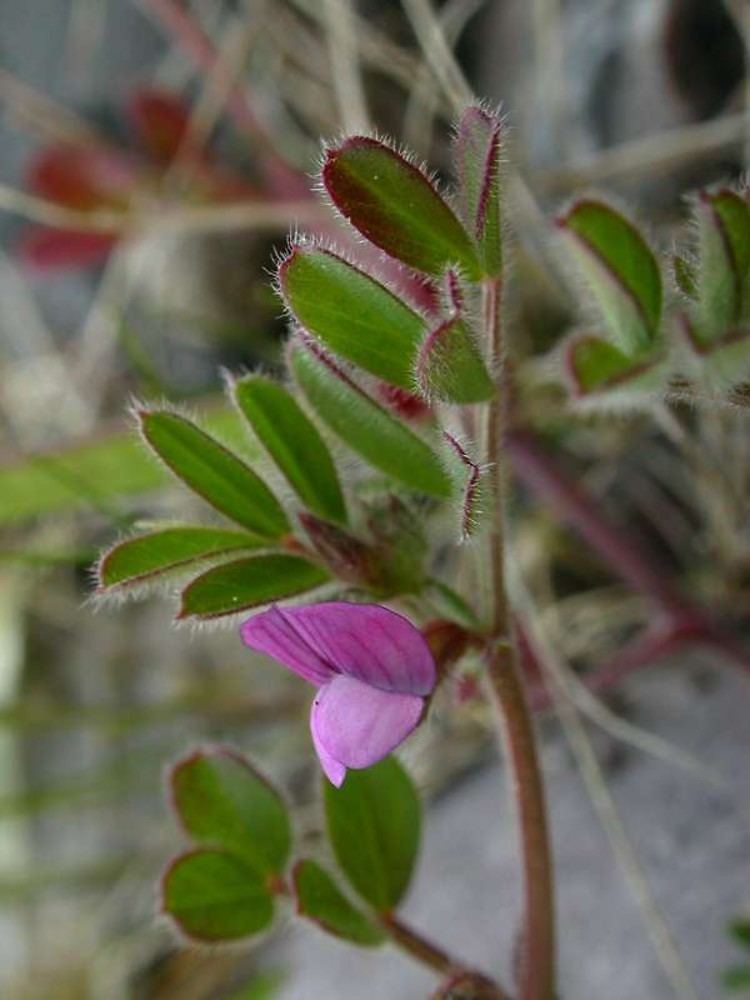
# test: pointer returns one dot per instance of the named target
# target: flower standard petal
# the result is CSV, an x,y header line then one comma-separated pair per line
x,y
275,633
367,642
357,725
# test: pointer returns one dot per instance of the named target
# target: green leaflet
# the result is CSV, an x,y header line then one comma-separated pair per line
x,y
354,315
247,583
214,473
320,899
224,802
477,158
293,442
215,896
621,271
374,825
147,556
366,427
394,205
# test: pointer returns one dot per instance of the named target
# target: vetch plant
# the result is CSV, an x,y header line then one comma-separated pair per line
x,y
367,518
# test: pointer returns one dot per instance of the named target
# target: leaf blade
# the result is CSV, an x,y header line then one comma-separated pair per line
x,y
450,366
214,896
248,583
374,824
213,472
320,900
477,159
396,207
151,554
354,315
294,444
621,270
223,802
367,428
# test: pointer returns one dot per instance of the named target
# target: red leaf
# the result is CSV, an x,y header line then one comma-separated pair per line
x,y
159,120
83,177
52,249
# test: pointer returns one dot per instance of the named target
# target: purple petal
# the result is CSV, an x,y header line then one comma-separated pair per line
x,y
355,725
333,769
275,632
368,642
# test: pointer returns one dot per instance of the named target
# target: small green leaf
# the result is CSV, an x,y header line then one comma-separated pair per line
x,y
366,427
396,206
354,315
246,583
595,364
374,823
215,896
740,931
736,978
724,251
321,900
477,157
450,367
146,556
621,270
293,442
214,473
223,802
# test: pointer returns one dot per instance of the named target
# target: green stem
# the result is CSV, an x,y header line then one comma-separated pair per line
x,y
537,971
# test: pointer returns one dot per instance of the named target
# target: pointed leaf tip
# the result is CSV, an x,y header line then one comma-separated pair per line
x,y
294,444
450,367
365,426
213,472
151,555
396,206
477,157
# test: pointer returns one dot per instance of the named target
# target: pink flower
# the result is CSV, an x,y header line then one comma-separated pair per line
x,y
372,667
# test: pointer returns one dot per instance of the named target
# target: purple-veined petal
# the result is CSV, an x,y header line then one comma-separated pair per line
x,y
357,725
367,642
276,633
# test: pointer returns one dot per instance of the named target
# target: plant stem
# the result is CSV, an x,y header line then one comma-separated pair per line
x,y
431,955
537,971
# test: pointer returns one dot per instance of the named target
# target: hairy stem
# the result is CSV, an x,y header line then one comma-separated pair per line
x,y
537,970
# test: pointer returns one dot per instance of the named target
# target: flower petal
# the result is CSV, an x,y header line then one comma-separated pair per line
x,y
368,642
333,769
274,632
356,725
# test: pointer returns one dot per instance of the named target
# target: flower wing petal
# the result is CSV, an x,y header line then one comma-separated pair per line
x,y
368,642
274,632
356,725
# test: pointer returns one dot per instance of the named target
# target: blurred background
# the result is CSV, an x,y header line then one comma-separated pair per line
x,y
204,118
